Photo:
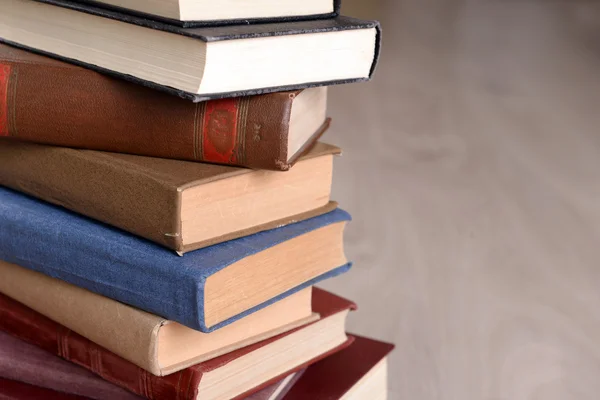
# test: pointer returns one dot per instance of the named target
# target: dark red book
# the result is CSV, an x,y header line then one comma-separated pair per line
x,y
233,375
278,390
359,372
27,370
24,362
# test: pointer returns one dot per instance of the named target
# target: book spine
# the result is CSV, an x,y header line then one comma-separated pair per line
x,y
99,187
337,6
116,327
63,245
74,107
29,326
24,362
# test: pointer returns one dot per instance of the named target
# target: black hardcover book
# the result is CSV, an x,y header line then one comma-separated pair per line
x,y
199,18
196,63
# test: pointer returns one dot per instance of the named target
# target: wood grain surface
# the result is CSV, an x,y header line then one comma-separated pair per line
x,y
472,170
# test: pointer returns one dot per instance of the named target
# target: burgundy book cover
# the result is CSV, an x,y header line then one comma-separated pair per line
x,y
332,377
51,102
24,362
28,366
277,391
15,390
28,325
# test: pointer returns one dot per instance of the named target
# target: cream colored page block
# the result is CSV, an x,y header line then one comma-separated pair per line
x,y
269,361
250,200
265,275
239,9
227,69
309,110
291,310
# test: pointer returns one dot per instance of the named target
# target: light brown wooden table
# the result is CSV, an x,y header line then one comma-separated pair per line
x,y
472,169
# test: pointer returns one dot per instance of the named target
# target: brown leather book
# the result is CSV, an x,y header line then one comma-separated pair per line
x,y
51,102
357,372
234,375
178,204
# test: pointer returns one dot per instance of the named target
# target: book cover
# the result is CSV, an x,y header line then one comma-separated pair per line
x,y
278,390
334,377
23,362
32,327
115,264
51,102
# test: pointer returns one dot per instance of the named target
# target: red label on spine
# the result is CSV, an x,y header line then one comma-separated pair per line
x,y
4,77
220,131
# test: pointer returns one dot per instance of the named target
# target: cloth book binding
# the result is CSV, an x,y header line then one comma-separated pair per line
x,y
115,264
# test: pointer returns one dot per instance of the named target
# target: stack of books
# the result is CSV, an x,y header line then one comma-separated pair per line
x,y
165,204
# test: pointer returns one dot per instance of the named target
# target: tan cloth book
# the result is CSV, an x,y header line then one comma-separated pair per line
x,y
178,204
148,341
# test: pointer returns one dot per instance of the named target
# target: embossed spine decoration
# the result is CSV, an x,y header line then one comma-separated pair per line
x,y
220,139
5,70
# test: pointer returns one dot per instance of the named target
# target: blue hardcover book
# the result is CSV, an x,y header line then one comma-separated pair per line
x,y
205,289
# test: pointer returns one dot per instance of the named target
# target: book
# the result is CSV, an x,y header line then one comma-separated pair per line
x,y
205,289
180,205
18,390
51,102
193,13
31,365
357,372
28,364
155,344
233,375
196,63
15,390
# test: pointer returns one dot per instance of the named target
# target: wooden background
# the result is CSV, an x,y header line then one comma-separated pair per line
x,y
472,169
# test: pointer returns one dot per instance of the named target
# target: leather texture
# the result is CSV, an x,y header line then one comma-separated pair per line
x,y
141,195
29,365
115,264
24,362
51,102
32,327
333,377
15,390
